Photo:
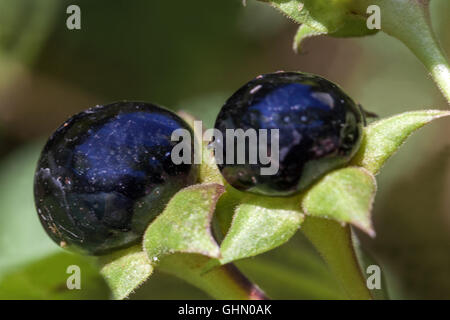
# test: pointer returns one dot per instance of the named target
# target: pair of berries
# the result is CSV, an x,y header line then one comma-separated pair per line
x,y
107,172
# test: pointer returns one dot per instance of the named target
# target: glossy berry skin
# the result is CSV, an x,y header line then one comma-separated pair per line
x,y
106,173
320,129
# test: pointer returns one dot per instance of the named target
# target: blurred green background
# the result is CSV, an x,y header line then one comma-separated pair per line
x,y
192,55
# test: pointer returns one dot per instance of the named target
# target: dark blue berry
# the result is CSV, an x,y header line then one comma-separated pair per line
x,y
106,173
319,126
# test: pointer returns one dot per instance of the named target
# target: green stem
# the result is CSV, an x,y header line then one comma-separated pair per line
x,y
224,282
409,22
334,243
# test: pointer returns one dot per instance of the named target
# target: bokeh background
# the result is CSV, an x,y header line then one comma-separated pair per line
x,y
192,55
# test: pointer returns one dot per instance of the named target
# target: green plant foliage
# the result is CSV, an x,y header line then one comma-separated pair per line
x,y
322,17
48,278
382,138
260,224
184,226
125,271
345,195
180,241
304,32
406,20
251,224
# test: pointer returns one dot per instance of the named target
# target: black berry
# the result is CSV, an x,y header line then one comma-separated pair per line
x,y
106,173
319,126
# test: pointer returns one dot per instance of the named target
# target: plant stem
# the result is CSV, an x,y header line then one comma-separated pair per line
x,y
409,22
334,243
225,282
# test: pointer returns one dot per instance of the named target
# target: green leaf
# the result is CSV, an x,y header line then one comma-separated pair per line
x,y
48,278
181,240
382,138
321,15
225,208
259,225
353,26
318,17
125,271
304,32
345,195
184,226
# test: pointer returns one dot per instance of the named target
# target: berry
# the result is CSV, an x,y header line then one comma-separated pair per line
x,y
320,129
106,173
